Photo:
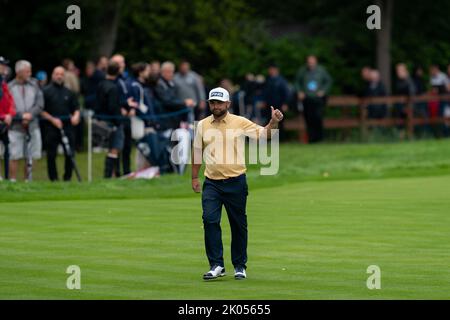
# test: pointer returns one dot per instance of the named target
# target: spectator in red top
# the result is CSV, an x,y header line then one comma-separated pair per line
x,y
7,112
433,105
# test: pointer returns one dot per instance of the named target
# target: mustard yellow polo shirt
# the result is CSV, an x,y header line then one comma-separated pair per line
x,y
223,144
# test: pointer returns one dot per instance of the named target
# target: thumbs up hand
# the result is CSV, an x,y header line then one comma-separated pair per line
x,y
277,115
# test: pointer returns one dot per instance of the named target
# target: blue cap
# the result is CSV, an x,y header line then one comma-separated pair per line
x,y
41,75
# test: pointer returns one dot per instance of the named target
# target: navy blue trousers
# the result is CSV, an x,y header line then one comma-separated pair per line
x,y
231,193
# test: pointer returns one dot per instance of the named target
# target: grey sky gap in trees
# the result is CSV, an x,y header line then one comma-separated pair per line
x,y
383,56
108,26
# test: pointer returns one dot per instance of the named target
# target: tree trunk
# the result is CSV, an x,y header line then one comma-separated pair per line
x,y
107,29
384,42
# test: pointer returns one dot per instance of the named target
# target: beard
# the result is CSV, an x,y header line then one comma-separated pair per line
x,y
218,113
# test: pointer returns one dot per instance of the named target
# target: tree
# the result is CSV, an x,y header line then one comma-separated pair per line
x,y
384,42
228,38
108,25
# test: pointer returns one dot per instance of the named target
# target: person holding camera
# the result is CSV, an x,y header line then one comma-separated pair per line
x,y
25,135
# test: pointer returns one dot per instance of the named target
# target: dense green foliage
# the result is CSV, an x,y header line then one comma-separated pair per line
x,y
231,37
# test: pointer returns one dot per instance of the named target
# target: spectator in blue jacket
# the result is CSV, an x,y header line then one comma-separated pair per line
x,y
276,93
142,97
154,143
276,90
89,84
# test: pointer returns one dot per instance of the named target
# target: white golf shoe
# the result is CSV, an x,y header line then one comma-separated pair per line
x,y
239,273
215,272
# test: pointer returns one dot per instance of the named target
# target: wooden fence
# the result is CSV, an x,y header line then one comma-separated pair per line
x,y
362,122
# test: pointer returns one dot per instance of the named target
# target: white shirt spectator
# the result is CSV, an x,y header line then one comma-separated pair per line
x,y
440,79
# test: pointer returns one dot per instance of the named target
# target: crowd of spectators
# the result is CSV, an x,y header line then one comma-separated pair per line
x,y
409,84
35,112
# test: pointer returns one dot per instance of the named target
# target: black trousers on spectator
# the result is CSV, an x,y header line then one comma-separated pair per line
x,y
313,113
53,139
5,140
126,151
399,112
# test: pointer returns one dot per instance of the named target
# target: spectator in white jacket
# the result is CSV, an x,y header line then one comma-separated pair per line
x,y
29,101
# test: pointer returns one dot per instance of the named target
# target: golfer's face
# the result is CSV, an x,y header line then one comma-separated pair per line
x,y
218,107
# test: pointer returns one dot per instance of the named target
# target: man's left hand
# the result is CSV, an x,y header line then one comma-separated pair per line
x,y
277,115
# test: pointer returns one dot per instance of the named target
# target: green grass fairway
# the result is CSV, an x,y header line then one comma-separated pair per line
x,y
313,230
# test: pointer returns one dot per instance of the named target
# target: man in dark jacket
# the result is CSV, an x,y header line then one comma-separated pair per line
x,y
109,108
122,82
89,84
420,108
365,81
61,110
404,86
167,94
276,93
376,89
313,84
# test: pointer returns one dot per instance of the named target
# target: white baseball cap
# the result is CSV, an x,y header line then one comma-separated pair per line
x,y
219,94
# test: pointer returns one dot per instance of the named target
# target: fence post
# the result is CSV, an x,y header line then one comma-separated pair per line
x,y
363,118
89,123
301,133
410,118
